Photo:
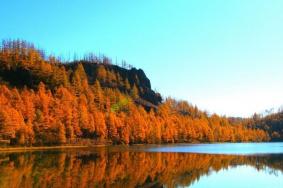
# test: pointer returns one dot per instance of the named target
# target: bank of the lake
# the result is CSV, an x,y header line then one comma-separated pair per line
x,y
29,148
20,149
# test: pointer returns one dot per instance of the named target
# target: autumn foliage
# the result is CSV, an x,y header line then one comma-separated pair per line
x,y
46,102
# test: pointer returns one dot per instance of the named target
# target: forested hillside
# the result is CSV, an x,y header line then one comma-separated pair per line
x,y
273,124
44,101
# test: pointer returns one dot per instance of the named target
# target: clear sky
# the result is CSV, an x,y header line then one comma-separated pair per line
x,y
223,55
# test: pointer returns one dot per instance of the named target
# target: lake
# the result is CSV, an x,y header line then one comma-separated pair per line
x,y
180,165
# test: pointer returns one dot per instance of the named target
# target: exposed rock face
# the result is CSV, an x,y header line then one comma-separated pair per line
x,y
22,72
135,77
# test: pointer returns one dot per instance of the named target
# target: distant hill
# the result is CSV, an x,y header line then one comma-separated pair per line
x,y
273,124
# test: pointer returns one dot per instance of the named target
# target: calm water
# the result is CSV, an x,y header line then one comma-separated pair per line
x,y
224,148
200,165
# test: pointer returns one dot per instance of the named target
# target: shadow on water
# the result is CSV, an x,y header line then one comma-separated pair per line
x,y
126,168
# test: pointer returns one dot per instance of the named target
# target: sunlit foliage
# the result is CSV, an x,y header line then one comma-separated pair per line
x,y
44,103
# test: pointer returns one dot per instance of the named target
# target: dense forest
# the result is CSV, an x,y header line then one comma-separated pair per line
x,y
44,101
120,169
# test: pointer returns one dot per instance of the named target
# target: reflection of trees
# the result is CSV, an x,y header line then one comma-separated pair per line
x,y
119,169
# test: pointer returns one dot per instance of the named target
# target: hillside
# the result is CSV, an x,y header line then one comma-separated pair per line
x,y
44,101
115,77
273,124
29,68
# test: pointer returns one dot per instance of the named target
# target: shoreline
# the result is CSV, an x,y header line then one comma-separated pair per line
x,y
38,148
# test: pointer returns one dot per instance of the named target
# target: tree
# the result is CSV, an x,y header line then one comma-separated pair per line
x,y
61,133
135,92
11,121
127,85
98,95
100,125
101,74
112,128
79,79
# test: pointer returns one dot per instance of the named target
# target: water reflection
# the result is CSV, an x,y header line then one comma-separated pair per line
x,y
84,168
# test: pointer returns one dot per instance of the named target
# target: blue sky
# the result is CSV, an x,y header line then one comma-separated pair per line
x,y
224,55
